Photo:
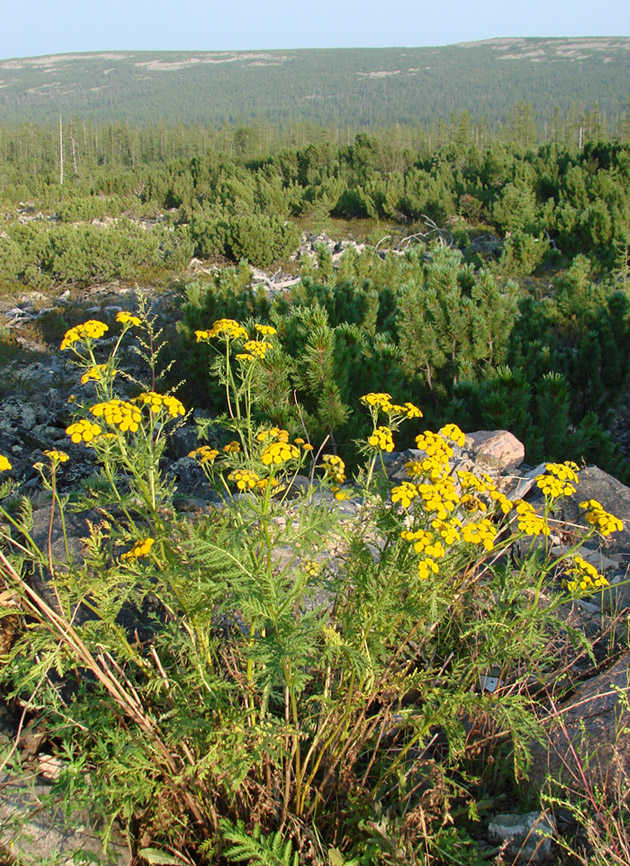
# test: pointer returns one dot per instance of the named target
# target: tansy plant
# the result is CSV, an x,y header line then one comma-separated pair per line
x,y
281,660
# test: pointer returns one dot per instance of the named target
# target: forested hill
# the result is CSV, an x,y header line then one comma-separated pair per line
x,y
348,87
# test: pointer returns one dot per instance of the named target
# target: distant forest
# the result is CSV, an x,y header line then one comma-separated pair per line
x,y
360,88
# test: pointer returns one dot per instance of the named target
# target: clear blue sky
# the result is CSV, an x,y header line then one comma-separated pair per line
x,y
36,27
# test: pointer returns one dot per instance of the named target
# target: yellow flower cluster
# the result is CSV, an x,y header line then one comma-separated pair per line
x,y
245,479
204,454
335,468
553,487
450,530
157,402
227,328
528,521
232,447
95,374
427,567
405,493
602,520
481,532
83,431
90,330
265,330
435,446
383,402
586,576
140,549
454,433
380,401
276,434
56,456
128,319
279,452
424,542
4,464
382,438
567,471
257,348
439,497
118,413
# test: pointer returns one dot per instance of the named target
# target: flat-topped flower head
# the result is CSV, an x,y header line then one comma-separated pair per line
x,y
56,456
245,479
140,549
602,520
159,402
119,413
528,521
483,532
232,447
265,330
5,465
334,468
83,431
586,578
405,493
379,400
96,374
204,454
279,452
454,433
227,328
128,319
381,438
90,330
552,486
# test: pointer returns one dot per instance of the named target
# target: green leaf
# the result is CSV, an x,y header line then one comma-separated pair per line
x,y
159,858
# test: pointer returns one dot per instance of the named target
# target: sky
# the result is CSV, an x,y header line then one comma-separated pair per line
x,y
39,27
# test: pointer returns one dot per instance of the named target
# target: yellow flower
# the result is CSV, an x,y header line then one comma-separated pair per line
x,y
57,456
279,452
529,522
405,493
95,373
83,431
128,319
90,330
435,446
273,434
140,549
412,411
553,486
426,567
157,402
265,330
453,432
244,356
204,454
232,447
118,413
448,529
382,438
482,532
227,328
335,468
602,520
340,494
567,471
257,348
245,479
505,504
4,464
381,401
307,447
587,578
